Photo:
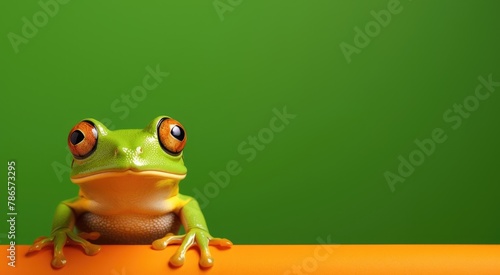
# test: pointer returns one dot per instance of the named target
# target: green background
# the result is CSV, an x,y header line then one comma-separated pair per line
x,y
323,175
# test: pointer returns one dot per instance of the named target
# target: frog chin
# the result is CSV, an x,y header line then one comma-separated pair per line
x,y
123,175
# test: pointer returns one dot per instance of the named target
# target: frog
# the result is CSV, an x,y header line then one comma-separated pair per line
x,y
128,183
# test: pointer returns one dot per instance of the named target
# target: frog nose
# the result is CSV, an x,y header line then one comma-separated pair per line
x,y
125,151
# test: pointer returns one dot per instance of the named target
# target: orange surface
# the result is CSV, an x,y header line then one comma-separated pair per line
x,y
269,259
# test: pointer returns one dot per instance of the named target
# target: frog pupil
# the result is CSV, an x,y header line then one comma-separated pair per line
x,y
76,137
177,132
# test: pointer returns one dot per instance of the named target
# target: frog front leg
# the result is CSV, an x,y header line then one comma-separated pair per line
x,y
196,233
62,234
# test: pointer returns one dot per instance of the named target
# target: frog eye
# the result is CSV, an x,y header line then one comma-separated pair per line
x,y
171,135
82,139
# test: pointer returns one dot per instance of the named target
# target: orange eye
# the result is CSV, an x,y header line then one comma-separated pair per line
x,y
171,135
82,139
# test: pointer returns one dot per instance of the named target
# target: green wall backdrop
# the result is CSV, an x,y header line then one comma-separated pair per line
x,y
360,81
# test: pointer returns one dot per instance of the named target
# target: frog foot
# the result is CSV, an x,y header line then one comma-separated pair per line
x,y
194,236
59,238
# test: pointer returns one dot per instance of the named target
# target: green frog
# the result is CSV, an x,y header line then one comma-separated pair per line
x,y
129,193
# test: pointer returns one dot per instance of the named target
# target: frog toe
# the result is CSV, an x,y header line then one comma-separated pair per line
x,y
89,248
221,242
89,236
40,243
170,238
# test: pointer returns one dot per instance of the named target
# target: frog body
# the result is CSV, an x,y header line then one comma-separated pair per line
x,y
129,192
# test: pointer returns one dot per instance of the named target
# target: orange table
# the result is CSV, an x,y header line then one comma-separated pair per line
x,y
269,259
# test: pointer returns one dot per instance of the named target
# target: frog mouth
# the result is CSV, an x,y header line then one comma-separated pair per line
x,y
126,173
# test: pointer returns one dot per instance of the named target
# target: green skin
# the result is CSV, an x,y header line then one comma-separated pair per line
x,y
140,152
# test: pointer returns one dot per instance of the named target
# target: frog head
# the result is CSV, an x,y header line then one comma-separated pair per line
x,y
153,153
